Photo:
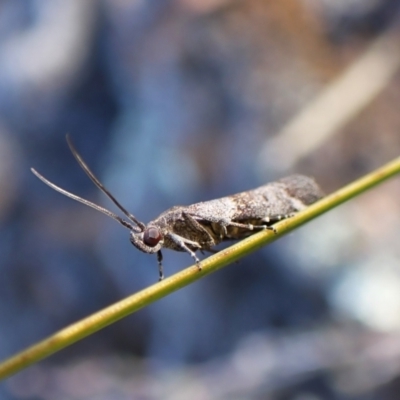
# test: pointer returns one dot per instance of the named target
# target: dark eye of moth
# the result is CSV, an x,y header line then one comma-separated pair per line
x,y
151,237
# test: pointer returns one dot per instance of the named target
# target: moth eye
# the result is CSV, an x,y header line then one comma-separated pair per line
x,y
151,237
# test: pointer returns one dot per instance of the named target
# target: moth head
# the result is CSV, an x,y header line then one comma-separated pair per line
x,y
150,240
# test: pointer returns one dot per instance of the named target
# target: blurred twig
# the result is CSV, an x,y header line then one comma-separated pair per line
x,y
119,310
337,105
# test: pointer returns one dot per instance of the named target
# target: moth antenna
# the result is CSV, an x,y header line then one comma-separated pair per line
x,y
126,224
90,174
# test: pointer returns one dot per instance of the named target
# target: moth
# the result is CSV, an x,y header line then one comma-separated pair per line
x,y
201,226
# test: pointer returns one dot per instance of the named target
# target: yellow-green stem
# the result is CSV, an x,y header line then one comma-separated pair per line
x,y
119,310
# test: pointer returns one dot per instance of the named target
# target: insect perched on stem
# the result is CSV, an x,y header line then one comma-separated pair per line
x,y
201,226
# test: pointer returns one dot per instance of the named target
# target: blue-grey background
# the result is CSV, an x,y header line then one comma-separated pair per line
x,y
170,102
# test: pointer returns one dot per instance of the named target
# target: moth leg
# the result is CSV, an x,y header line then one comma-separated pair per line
x,y
160,266
276,218
207,239
182,243
251,227
223,222
279,217
268,227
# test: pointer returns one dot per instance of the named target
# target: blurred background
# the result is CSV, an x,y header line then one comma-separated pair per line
x,y
177,101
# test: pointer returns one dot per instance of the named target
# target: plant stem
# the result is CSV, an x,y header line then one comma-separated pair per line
x,y
121,309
